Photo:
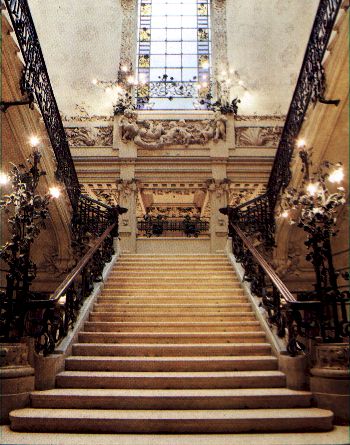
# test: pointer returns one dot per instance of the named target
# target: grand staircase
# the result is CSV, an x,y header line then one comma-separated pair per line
x,y
172,345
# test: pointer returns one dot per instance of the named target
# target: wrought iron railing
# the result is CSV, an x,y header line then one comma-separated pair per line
x,y
36,80
317,316
159,226
310,88
49,320
255,218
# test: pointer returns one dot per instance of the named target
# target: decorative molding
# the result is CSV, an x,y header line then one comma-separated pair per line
x,y
219,37
86,118
174,211
332,356
258,136
127,187
259,118
162,133
90,136
13,355
106,193
128,40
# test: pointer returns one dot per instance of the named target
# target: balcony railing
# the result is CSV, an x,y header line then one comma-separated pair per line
x,y
159,226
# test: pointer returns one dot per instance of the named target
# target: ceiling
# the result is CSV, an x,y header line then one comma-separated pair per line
x,y
81,40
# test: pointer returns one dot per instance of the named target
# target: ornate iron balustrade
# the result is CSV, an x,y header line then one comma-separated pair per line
x,y
310,87
36,80
49,320
157,226
255,218
317,316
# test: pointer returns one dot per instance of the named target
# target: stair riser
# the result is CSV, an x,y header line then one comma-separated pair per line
x,y
170,351
176,426
128,327
174,289
105,299
152,309
170,366
94,338
170,382
171,403
180,267
103,316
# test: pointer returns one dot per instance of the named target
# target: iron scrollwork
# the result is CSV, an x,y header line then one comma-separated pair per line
x,y
158,225
310,88
291,318
36,82
29,212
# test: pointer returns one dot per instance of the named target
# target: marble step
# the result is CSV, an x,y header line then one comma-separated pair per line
x,y
171,380
173,292
167,350
201,399
158,364
170,421
169,308
109,297
172,337
174,316
233,326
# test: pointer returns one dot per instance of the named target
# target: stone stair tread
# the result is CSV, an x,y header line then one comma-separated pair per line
x,y
235,392
172,323
179,305
175,334
174,414
177,374
174,359
189,345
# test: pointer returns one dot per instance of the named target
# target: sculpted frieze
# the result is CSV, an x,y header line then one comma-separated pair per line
x,y
90,136
162,133
258,136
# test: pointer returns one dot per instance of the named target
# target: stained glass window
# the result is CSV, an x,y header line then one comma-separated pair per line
x,y
174,45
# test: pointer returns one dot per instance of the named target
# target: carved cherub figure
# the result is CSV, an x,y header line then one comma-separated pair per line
x,y
128,126
207,132
220,126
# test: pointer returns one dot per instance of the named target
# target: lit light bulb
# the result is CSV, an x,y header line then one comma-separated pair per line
x,y
198,86
301,143
205,65
205,76
130,80
34,141
204,84
240,83
337,175
4,179
312,188
55,192
124,68
108,90
285,214
94,81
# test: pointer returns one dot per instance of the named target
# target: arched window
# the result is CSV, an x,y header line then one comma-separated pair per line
x,y
174,49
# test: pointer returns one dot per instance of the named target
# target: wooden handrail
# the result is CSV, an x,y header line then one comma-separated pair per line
x,y
59,292
281,287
